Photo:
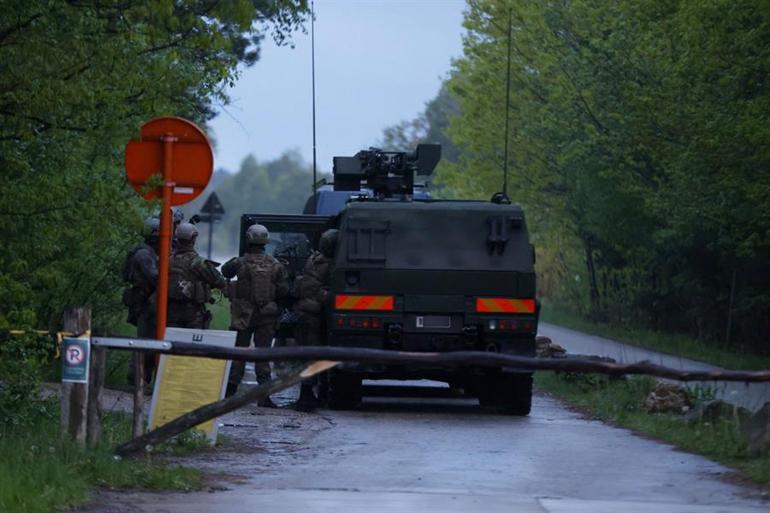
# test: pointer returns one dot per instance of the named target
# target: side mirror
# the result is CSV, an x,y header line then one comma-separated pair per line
x,y
428,157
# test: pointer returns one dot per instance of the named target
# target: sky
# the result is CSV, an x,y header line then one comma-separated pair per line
x,y
378,62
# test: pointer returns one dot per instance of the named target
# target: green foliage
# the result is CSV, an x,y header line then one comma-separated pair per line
x,y
618,402
77,80
638,147
24,361
40,473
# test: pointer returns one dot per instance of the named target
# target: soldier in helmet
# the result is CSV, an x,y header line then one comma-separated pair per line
x,y
261,280
310,290
190,280
141,273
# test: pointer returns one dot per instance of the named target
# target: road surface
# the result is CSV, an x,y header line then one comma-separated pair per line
x,y
441,454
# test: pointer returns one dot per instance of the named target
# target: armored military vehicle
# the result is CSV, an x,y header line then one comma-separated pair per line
x,y
421,274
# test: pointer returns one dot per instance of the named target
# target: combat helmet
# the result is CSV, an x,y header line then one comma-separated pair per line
x,y
151,228
328,242
257,234
186,232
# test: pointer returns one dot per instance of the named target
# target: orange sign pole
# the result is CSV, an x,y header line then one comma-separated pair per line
x,y
165,235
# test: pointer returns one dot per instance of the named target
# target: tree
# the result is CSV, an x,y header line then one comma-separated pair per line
x,y
77,79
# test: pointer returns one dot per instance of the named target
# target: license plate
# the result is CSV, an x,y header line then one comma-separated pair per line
x,y
434,321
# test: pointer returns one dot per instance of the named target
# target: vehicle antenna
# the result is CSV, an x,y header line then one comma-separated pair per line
x,y
507,109
312,60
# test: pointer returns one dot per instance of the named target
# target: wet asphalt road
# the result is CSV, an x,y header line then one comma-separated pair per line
x,y
443,454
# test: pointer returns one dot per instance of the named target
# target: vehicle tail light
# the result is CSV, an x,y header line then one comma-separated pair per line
x,y
511,325
356,322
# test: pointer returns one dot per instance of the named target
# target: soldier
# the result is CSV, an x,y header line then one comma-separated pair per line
x,y
141,272
311,290
253,309
190,280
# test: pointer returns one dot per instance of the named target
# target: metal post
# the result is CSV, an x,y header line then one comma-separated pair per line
x,y
507,109
312,59
165,236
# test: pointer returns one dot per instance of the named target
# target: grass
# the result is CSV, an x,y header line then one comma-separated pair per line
x,y
618,402
678,345
40,473
221,312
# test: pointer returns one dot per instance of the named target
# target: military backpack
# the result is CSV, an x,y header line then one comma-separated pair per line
x,y
183,284
255,279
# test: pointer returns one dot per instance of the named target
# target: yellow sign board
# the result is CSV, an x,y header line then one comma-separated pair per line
x,y
184,383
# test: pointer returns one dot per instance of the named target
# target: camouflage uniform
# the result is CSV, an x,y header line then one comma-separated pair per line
x,y
141,272
253,309
310,290
190,280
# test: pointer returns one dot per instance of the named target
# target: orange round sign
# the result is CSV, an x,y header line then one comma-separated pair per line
x,y
191,159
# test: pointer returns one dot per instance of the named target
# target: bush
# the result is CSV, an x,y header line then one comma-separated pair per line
x,y
24,362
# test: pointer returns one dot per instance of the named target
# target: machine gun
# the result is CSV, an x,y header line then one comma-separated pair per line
x,y
388,174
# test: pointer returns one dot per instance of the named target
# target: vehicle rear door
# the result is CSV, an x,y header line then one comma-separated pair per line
x,y
293,237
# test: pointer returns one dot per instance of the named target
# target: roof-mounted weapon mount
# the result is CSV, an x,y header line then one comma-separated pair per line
x,y
386,173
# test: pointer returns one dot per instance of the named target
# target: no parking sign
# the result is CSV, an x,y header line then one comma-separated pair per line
x,y
75,359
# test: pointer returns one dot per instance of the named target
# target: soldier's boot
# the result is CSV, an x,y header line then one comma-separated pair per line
x,y
307,400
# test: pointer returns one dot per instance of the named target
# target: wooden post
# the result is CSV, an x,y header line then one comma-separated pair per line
x,y
95,388
74,396
138,424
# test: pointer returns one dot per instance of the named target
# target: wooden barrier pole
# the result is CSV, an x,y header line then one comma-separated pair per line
x,y
95,388
74,396
460,359
216,409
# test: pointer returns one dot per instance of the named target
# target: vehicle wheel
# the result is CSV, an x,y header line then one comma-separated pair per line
x,y
343,391
510,394
516,394
322,388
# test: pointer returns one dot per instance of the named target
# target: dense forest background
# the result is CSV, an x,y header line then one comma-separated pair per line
x,y
639,147
282,185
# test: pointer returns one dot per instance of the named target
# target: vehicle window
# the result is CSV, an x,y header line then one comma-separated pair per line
x,y
294,248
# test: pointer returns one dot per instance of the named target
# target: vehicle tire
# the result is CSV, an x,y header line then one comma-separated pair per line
x,y
509,394
343,391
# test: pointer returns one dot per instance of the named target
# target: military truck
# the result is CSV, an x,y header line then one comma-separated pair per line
x,y
424,275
